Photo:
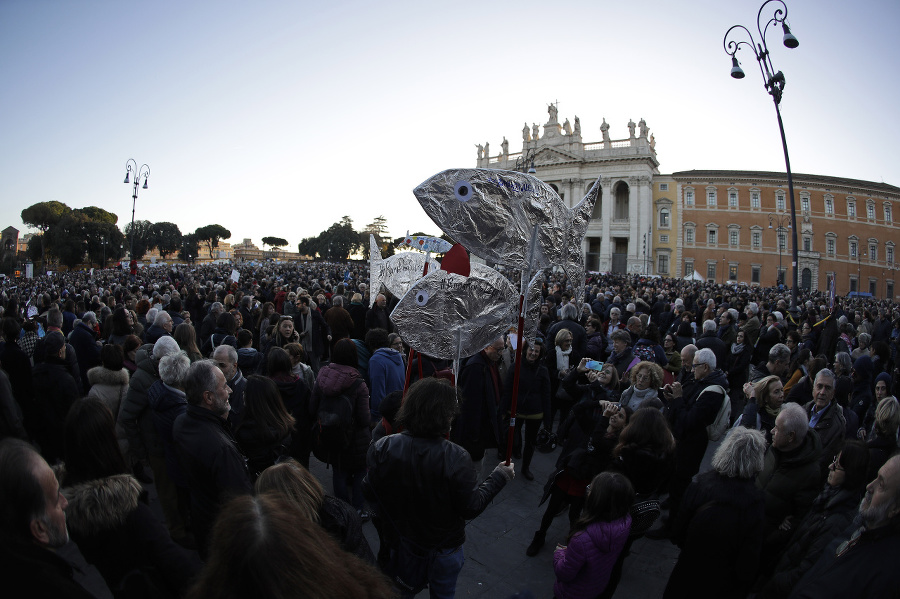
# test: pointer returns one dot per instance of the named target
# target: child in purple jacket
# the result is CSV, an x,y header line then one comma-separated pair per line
x,y
583,567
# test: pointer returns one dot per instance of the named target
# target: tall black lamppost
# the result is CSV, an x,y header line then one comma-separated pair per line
x,y
131,168
774,83
103,242
525,162
781,219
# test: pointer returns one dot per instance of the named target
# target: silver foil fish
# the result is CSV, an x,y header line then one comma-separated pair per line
x,y
493,214
397,272
449,316
427,244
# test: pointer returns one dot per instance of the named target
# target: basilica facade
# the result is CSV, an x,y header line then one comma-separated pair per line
x,y
724,226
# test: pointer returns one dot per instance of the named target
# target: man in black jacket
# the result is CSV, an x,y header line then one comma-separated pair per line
x,y
215,467
424,487
33,525
691,410
865,564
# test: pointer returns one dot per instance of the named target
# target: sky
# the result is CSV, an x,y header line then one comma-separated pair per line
x,y
278,118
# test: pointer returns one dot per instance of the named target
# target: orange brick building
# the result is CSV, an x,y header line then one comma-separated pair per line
x,y
732,225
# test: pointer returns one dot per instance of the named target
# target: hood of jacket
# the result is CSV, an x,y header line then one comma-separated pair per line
x,y
388,355
102,504
99,375
604,534
163,397
335,378
716,377
809,451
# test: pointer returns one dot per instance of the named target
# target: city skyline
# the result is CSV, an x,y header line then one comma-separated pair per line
x,y
289,116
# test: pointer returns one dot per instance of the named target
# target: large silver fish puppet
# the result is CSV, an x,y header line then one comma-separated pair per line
x,y
397,272
493,214
450,316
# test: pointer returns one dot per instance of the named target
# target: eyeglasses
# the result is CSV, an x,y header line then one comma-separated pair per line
x,y
286,317
837,467
696,364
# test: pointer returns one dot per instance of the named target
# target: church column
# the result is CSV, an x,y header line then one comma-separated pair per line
x,y
606,215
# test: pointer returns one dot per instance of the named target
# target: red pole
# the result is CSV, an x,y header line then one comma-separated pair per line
x,y
515,389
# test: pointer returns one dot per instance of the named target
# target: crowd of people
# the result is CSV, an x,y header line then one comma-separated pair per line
x,y
218,383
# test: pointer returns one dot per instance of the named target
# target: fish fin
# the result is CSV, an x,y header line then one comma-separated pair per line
x,y
574,259
374,260
456,260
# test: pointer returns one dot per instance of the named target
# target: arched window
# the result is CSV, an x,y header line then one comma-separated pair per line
x,y
664,218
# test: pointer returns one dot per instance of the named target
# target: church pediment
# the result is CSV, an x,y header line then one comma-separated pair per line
x,y
554,156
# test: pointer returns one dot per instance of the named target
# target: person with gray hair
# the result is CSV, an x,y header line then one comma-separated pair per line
x,y
162,326
167,401
226,358
791,477
144,444
710,340
692,408
826,417
33,525
778,363
208,325
569,321
720,523
752,326
214,467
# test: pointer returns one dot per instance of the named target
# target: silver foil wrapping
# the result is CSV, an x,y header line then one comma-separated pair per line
x,y
396,272
493,214
449,316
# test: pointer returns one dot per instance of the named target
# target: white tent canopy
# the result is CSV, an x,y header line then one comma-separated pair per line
x,y
695,277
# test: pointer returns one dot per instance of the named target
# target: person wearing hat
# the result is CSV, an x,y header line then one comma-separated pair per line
x,y
54,393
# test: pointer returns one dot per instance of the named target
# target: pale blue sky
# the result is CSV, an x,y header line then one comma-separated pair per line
x,y
277,118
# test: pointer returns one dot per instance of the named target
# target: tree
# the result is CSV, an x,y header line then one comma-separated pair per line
x,y
210,236
190,247
378,228
42,216
103,240
98,215
35,248
142,239
67,239
338,242
166,238
274,242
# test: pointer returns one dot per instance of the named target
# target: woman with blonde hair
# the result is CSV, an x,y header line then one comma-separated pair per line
x,y
289,479
186,336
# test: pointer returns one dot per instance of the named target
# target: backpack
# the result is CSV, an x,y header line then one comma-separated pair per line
x,y
332,430
716,430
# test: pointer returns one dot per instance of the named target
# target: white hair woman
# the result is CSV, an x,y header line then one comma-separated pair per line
x,y
720,522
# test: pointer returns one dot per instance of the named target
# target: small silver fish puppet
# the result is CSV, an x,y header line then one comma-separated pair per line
x,y
427,244
493,213
450,316
397,272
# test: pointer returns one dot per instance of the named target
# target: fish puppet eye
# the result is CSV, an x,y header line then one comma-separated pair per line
x,y
463,190
421,297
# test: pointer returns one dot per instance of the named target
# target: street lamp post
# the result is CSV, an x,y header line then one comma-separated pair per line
x,y
525,162
781,219
103,242
131,168
774,84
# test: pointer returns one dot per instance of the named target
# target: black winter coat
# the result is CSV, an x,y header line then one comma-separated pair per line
x,y
831,513
54,391
342,522
534,391
476,427
118,533
425,488
213,463
719,528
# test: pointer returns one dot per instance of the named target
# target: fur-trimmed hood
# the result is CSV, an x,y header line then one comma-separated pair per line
x,y
98,375
103,504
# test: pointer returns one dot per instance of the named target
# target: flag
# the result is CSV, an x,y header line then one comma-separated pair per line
x,y
831,293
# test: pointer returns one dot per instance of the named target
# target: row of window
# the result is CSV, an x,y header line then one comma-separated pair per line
x,y
712,238
756,270
781,203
